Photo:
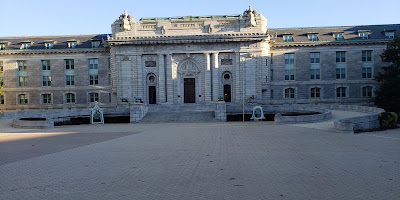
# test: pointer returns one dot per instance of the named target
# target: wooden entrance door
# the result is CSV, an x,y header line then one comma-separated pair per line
x,y
152,95
189,90
227,93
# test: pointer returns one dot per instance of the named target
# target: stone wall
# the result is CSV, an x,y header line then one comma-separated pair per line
x,y
137,112
220,111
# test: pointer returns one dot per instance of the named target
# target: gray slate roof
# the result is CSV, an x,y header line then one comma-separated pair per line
x,y
61,42
350,33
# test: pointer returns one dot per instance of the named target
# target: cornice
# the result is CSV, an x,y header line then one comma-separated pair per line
x,y
52,51
327,43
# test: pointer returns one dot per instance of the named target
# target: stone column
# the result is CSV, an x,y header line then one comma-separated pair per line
x,y
237,86
215,77
170,83
161,79
140,84
207,79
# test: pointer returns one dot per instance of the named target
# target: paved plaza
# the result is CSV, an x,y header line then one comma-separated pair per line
x,y
233,160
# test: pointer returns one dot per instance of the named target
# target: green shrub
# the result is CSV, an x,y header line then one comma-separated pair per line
x,y
388,120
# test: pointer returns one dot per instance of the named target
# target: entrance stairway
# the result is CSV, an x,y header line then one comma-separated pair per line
x,y
170,113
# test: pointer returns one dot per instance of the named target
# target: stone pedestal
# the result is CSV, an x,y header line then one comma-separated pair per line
x,y
137,112
220,111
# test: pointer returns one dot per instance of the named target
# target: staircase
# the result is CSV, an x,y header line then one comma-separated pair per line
x,y
180,113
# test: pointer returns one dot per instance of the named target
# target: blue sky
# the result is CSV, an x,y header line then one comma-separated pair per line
x,y
51,17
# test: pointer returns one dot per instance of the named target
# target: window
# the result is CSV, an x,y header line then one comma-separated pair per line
x,y
315,71
289,58
313,37
341,92
289,93
95,44
1,99
367,64
69,80
46,81
340,56
93,79
2,46
25,45
366,56
70,98
389,34
272,75
93,97
1,73
22,81
46,98
1,67
367,91
150,63
48,45
272,56
23,99
21,65
338,36
364,35
93,63
45,64
109,97
69,64
71,44
315,92
288,38
289,66
340,73
272,94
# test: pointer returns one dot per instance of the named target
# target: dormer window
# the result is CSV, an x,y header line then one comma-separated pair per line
x,y
288,38
363,34
48,45
72,44
95,44
338,36
25,45
313,37
389,34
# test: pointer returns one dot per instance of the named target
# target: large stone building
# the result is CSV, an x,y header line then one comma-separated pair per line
x,y
194,59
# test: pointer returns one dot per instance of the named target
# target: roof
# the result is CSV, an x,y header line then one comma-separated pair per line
x,y
189,18
61,42
350,33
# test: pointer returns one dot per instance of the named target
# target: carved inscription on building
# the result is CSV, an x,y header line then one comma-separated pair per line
x,y
150,63
226,61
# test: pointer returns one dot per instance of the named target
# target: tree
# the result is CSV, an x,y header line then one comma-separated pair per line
x,y
388,94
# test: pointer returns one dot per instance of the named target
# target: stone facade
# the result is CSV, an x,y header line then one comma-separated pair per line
x,y
195,59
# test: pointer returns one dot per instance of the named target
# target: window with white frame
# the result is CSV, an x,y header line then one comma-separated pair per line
x,y
364,35
70,98
46,73
341,92
367,64
289,66
389,34
315,92
72,44
22,99
289,93
69,72
338,36
22,74
313,37
95,44
288,38
315,67
69,80
93,71
25,45
46,98
2,46
93,97
340,65
69,64
48,45
367,91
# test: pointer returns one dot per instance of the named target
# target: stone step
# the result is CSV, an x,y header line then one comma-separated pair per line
x,y
181,107
179,116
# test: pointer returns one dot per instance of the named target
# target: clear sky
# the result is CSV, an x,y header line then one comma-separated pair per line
x,y
53,17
